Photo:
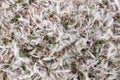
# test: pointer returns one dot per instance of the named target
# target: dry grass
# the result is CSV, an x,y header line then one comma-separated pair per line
x,y
59,39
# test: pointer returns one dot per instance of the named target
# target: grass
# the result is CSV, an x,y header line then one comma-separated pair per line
x,y
59,39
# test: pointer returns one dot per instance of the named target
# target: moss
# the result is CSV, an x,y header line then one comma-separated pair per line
x,y
69,21
23,66
104,29
80,76
30,37
19,1
57,54
75,52
24,5
94,52
46,37
31,1
74,68
31,31
34,59
51,40
0,27
117,17
28,72
91,75
100,42
97,46
6,41
49,68
15,18
83,50
25,52
51,15
47,48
